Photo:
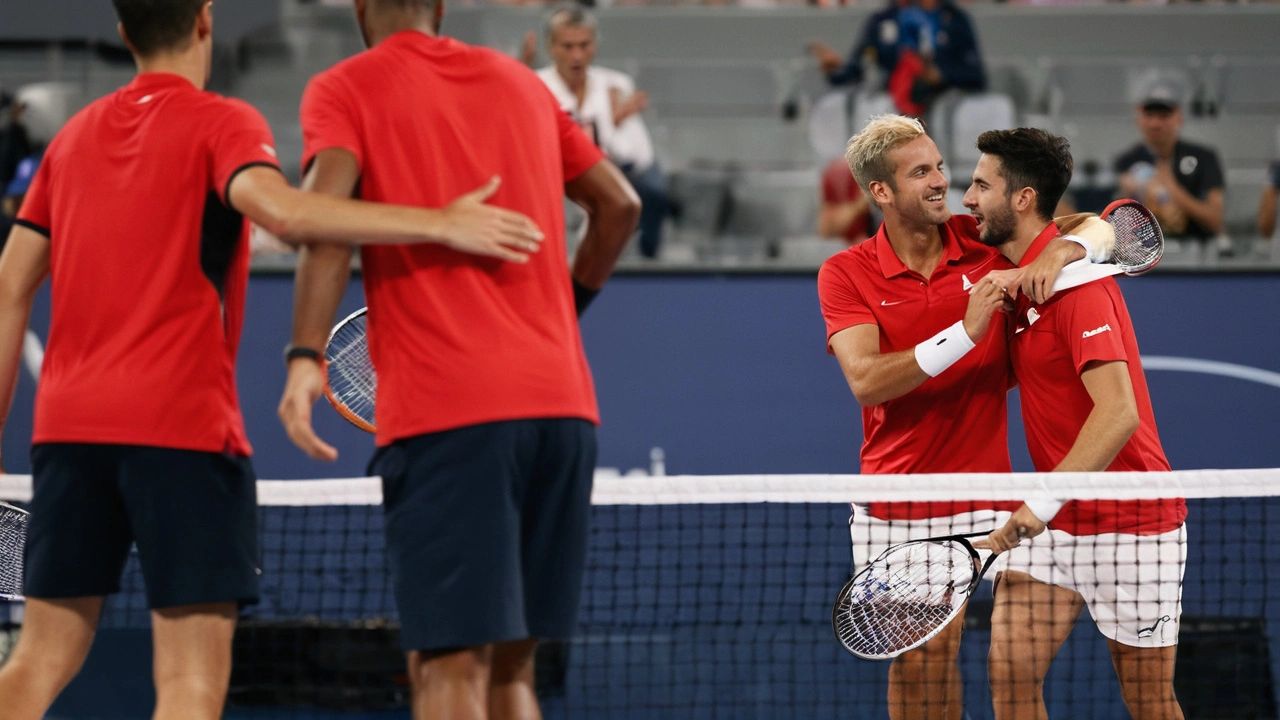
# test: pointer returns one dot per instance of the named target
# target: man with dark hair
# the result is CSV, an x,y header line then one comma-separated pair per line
x,y
486,412
1182,182
138,213
1086,408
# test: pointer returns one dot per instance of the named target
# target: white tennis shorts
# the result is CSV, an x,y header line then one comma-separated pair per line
x,y
872,536
1132,584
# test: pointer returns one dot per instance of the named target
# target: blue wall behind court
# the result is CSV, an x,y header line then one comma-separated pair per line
x,y
729,374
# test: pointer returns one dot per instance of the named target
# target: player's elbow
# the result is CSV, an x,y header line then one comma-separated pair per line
x,y
865,392
1124,419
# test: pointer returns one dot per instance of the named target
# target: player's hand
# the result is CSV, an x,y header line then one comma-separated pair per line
x,y
302,389
985,299
828,59
1022,524
473,227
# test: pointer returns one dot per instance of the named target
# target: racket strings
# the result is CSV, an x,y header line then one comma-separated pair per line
x,y
13,538
351,376
1139,241
905,598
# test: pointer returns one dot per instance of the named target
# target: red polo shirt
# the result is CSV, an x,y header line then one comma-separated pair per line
x,y
459,339
956,422
1051,346
149,266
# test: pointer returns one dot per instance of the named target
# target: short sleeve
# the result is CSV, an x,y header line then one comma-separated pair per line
x,y
577,153
1091,325
327,121
36,213
242,139
843,305
1125,161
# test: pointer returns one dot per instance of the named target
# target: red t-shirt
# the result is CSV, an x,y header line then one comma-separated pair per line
x,y
458,339
149,266
1051,346
838,186
955,422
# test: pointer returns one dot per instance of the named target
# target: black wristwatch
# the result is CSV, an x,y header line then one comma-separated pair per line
x,y
293,352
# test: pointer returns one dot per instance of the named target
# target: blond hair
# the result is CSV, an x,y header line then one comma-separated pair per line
x,y
868,152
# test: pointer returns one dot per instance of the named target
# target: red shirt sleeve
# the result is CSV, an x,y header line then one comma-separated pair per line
x,y
242,140
1090,324
838,185
35,213
577,153
327,121
843,305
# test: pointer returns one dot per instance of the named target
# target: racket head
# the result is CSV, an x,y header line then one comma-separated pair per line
x,y
906,596
350,382
1139,239
13,541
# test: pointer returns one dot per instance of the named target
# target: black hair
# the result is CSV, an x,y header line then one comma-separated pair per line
x,y
155,26
1034,158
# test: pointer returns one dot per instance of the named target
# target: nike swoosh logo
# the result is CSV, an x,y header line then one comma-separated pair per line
x,y
886,303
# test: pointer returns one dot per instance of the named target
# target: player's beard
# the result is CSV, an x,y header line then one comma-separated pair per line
x,y
998,226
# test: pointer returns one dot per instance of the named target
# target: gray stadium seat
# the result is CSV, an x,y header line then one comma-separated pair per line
x,y
1248,87
829,128
971,116
711,90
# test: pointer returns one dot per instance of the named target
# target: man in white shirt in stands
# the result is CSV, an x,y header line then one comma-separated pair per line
x,y
606,104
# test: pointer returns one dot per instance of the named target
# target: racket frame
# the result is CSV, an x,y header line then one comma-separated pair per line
x,y
1082,272
844,597
337,404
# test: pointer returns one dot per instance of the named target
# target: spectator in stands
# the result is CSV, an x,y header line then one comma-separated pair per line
x,y
14,193
1181,182
846,211
608,106
922,48
1267,208
15,143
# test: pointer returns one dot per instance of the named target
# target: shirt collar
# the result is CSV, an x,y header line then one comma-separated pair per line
x,y
152,81
892,266
1037,246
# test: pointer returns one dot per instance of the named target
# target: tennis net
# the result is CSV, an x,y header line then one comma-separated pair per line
x,y
711,597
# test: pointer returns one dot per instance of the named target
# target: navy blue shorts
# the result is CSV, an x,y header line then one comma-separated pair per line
x,y
193,515
487,530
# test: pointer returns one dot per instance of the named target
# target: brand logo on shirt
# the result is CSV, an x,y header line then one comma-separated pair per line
x,y
145,99
269,150
1098,331
1188,164
886,303
967,284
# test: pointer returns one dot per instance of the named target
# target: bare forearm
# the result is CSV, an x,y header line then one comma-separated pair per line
x,y
320,281
303,217
880,378
1103,435
1206,213
613,209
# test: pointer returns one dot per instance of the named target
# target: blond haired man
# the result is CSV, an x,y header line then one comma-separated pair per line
x,y
922,342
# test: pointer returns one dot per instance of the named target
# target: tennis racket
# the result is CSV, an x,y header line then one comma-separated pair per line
x,y
907,595
1138,244
13,540
351,385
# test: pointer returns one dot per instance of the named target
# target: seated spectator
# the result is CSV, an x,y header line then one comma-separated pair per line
x,y
608,106
15,142
1267,208
1181,182
846,210
922,47
14,193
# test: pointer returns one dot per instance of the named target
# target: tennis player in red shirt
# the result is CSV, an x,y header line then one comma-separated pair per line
x,y
922,341
486,411
1086,408
138,215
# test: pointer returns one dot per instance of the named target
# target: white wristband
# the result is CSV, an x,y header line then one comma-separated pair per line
x,y
1094,252
1044,509
943,350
